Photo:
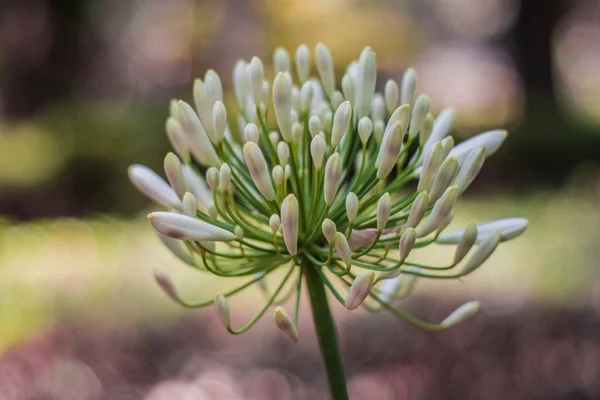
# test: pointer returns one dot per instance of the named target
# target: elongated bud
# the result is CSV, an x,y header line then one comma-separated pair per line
x,y
418,209
302,63
367,76
257,76
278,174
282,104
408,87
314,125
359,290
378,107
257,165
365,128
509,228
400,114
224,177
325,68
482,252
433,160
470,168
214,88
283,153
274,223
351,206
174,175
241,83
297,132
285,324
326,122
222,310
153,186
288,171
341,121
178,226
392,95
204,107
238,231
419,113
442,126
251,133
490,140
199,144
384,207
177,249
289,223
274,138
212,178
219,121
440,211
190,205
196,185
447,145
177,139
212,211
425,132
306,95
343,248
445,222
337,99
348,88
266,96
407,241
333,173
461,314
466,242
166,284
329,230
281,60
443,177
389,150
295,99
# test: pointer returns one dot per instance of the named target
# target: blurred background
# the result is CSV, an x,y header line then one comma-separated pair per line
x,y
84,92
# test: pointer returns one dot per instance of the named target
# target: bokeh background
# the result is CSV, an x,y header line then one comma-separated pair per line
x,y
84,92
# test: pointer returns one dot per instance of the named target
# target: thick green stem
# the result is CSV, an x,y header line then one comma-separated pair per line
x,y
326,333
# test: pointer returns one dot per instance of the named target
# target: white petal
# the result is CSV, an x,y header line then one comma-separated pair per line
x,y
153,186
178,226
509,228
490,140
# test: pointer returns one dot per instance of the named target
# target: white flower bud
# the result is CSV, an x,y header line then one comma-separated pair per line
x,y
461,314
278,174
295,98
407,241
257,76
241,83
333,173
392,95
178,226
418,209
283,153
337,99
314,125
329,230
302,63
389,150
190,205
351,206
470,168
172,166
196,185
204,107
440,211
285,324
384,207
224,177
317,150
199,144
400,114
173,108
212,211
425,132
343,248
281,60
348,88
509,228
378,107
289,223
408,87
490,140
443,178
359,290
177,139
482,252
266,96
282,104
288,171
176,248
257,166
419,113
274,223
251,133
445,222
441,126
325,68
219,121
164,282
212,178
466,242
447,145
153,186
214,88
433,160
274,138
222,310
306,96
367,76
365,128
238,231
341,121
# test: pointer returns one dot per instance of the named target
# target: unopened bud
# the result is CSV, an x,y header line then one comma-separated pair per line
x,y
306,95
425,132
490,140
378,107
365,128
302,63
447,145
466,242
281,60
343,248
325,67
333,173
470,168
190,205
289,223
224,177
359,290
297,132
408,87
367,75
329,230
278,174
433,160
174,175
443,177
348,88
461,314
407,241
341,121
198,141
392,95
389,150
419,113
257,76
283,153
257,165
212,178
274,223
222,310
285,324
274,138
282,104
164,282
418,209
178,226
440,211
351,206
509,228
251,133
177,139
219,115
337,99
383,211
314,125
482,252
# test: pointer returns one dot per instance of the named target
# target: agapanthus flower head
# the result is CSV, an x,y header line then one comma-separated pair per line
x,y
303,176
